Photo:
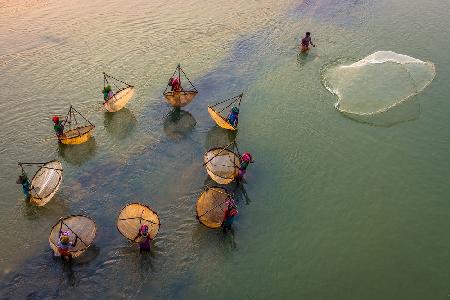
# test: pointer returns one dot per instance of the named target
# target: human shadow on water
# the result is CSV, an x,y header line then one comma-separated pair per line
x,y
120,124
217,137
78,154
178,124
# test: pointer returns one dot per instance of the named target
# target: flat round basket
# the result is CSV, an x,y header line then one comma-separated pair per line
x,y
46,182
211,206
82,229
133,216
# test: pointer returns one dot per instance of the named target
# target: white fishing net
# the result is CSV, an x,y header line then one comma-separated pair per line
x,y
378,82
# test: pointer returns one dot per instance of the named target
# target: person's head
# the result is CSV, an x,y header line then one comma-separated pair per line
x,y
235,110
64,238
55,119
247,157
21,179
308,33
144,229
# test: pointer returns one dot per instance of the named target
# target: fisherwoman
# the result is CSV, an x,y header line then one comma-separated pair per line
x,y
58,126
174,82
246,159
26,186
228,217
107,92
233,117
144,244
65,245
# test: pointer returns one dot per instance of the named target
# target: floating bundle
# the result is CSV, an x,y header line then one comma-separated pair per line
x,y
45,182
81,231
222,163
222,112
211,206
133,216
74,132
116,97
179,96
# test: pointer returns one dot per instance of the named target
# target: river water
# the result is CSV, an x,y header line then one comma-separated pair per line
x,y
334,207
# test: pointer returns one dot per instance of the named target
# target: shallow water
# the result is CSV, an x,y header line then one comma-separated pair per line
x,y
333,207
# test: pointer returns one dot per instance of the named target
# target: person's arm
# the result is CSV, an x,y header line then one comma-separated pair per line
x,y
312,43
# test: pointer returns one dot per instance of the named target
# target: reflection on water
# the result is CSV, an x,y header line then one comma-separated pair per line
x,y
178,123
56,207
78,154
121,124
217,137
236,189
305,57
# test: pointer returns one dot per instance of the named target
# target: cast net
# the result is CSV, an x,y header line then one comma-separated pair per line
x,y
378,82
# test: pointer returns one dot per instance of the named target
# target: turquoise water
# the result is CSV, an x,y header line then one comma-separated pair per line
x,y
336,208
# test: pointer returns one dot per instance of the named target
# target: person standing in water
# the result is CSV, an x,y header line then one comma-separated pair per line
x,y
233,117
306,41
174,82
228,217
107,92
246,159
26,186
58,126
65,245
144,244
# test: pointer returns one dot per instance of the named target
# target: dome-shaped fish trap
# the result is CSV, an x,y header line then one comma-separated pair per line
x,y
222,163
178,95
117,95
378,82
225,113
211,206
133,216
75,132
81,230
46,182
